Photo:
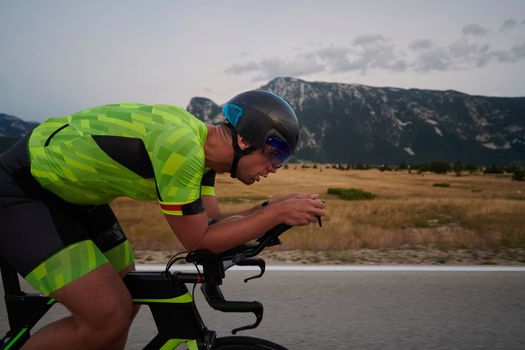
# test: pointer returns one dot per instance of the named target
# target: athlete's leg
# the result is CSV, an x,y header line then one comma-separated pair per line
x,y
101,313
43,238
121,342
51,249
105,230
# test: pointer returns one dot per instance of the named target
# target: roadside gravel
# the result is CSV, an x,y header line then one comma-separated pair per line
x,y
503,256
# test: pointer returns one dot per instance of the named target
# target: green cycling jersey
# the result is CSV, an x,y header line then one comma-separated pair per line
x,y
130,149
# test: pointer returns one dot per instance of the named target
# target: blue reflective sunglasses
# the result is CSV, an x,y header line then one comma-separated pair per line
x,y
276,150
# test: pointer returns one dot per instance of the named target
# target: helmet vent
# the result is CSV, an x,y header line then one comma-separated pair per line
x,y
233,113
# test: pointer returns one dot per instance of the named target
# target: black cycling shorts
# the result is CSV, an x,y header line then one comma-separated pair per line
x,y
47,240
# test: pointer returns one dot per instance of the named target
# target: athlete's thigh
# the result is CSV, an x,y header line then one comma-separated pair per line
x,y
45,244
33,230
97,298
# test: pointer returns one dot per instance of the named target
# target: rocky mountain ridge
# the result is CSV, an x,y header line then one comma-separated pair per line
x,y
353,123
11,129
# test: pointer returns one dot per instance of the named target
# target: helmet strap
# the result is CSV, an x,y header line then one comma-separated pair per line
x,y
237,152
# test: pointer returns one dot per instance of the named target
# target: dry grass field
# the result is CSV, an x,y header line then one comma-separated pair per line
x,y
477,218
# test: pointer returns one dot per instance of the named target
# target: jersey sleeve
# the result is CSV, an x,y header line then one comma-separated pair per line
x,y
177,157
208,183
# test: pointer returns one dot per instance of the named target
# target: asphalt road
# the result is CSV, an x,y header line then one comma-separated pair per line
x,y
368,310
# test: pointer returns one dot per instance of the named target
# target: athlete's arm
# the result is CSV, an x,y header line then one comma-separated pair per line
x,y
214,212
194,232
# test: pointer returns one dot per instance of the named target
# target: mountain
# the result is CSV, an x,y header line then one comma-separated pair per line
x,y
206,110
351,123
11,129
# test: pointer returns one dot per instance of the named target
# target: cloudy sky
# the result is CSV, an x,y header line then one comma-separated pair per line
x,y
58,57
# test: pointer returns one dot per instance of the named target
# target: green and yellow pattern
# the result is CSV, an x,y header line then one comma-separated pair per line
x,y
66,266
71,165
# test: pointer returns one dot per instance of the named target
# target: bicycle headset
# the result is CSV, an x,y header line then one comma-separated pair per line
x,y
267,122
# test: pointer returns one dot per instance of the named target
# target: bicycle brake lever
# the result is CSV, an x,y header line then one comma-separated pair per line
x,y
216,300
258,318
253,262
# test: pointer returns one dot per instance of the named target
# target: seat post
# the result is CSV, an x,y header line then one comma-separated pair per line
x,y
9,279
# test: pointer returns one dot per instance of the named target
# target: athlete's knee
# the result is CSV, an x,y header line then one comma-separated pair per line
x,y
109,322
101,306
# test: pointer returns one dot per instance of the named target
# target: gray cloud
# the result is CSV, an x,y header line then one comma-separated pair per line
x,y
508,24
367,52
502,56
465,52
302,64
375,52
433,59
369,39
461,48
243,68
337,58
518,51
421,44
474,29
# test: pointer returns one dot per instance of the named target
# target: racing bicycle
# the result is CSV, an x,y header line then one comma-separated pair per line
x,y
165,293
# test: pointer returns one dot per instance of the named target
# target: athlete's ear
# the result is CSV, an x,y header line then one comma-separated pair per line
x,y
243,144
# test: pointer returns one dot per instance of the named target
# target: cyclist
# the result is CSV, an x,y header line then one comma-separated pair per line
x,y
60,234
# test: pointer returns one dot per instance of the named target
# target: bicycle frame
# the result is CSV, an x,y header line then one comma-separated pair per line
x,y
161,293
164,292
24,310
166,295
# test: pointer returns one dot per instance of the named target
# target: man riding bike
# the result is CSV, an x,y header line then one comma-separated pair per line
x,y
60,234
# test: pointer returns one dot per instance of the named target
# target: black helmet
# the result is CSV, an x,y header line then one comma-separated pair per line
x,y
266,121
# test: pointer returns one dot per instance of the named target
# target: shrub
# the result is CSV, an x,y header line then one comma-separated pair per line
x,y
441,184
351,193
439,167
494,170
519,175
360,166
422,168
458,168
471,168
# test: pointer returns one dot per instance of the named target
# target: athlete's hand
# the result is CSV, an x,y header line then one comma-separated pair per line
x,y
295,195
300,211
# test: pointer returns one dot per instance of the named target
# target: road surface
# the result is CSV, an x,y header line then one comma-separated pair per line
x,y
369,309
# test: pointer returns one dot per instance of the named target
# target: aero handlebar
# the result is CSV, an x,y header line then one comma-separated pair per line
x,y
214,267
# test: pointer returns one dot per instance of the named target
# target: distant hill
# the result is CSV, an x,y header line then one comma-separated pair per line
x,y
352,123
11,129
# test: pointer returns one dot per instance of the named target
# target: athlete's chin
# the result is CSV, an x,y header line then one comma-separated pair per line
x,y
249,181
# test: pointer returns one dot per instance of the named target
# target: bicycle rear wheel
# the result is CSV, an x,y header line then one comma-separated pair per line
x,y
246,343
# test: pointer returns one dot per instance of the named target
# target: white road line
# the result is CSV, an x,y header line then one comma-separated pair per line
x,y
332,268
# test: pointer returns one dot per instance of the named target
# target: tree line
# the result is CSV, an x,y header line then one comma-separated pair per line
x,y
438,167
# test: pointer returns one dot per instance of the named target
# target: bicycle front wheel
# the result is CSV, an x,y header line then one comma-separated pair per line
x,y
246,343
